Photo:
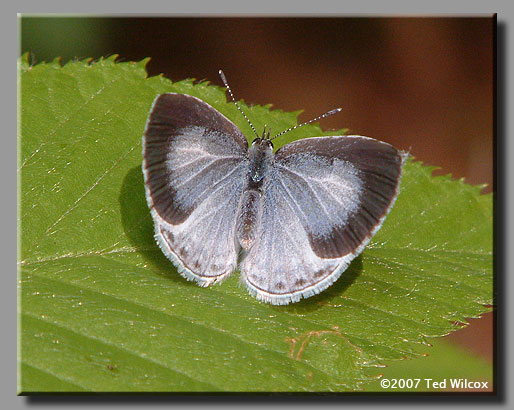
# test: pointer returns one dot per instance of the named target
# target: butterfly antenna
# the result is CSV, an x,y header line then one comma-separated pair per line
x,y
224,79
331,112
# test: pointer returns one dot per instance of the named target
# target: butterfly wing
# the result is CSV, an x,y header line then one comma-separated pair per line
x,y
194,162
322,202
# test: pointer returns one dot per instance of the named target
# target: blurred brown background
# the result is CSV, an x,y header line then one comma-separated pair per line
x,y
421,84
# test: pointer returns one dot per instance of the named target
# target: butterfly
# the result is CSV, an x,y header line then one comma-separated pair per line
x,y
290,220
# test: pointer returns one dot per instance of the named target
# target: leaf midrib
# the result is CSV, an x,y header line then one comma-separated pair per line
x,y
28,262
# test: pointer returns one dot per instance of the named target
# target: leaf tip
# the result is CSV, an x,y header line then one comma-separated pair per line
x,y
111,58
143,63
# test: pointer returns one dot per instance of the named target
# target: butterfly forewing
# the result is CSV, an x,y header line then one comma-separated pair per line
x,y
194,167
323,200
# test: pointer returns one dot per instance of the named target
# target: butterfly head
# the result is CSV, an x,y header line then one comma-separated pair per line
x,y
262,144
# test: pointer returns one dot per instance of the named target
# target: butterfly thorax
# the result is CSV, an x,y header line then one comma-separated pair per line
x,y
260,156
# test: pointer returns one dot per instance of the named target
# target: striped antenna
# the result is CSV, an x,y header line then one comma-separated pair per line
x,y
224,79
331,112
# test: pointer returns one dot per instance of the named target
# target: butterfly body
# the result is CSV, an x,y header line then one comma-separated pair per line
x,y
260,160
299,215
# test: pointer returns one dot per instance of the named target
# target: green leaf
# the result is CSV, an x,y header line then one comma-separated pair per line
x,y
103,310
444,361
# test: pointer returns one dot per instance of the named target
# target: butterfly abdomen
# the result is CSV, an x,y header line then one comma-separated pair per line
x,y
248,218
